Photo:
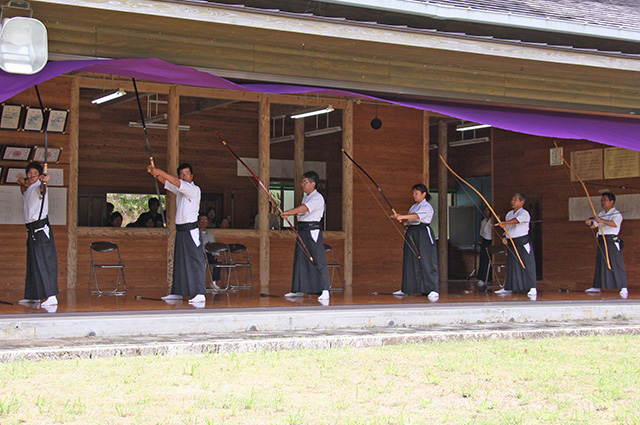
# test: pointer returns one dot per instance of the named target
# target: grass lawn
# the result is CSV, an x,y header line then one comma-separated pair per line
x,y
586,380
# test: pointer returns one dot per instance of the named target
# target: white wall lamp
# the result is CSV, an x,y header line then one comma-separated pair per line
x,y
110,96
466,126
311,112
23,41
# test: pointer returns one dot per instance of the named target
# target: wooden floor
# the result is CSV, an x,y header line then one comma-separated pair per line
x,y
72,301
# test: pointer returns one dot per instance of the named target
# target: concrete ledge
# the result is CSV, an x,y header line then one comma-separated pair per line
x,y
249,342
191,322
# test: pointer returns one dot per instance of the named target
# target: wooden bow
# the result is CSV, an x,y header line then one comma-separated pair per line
x,y
46,154
595,214
413,248
151,163
275,203
488,206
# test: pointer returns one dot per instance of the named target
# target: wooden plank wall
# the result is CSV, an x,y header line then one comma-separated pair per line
x,y
13,252
392,155
521,163
113,158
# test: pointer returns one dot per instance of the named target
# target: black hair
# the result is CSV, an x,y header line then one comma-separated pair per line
x,y
422,188
153,201
115,215
183,166
209,210
202,215
312,176
520,196
33,165
610,195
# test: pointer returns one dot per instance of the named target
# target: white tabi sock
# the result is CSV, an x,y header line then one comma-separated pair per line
x,y
52,300
324,296
172,297
197,299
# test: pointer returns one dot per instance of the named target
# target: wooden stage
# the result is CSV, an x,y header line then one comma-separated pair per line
x,y
79,301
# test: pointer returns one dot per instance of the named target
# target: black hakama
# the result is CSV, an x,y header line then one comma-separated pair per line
x,y
616,278
308,278
42,262
420,276
519,279
189,264
484,268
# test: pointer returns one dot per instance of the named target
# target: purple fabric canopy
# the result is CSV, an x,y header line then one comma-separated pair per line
x,y
622,132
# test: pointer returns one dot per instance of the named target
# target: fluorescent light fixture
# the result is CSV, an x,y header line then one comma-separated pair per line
x,y
108,97
466,126
156,118
311,112
310,133
323,131
157,126
467,142
282,139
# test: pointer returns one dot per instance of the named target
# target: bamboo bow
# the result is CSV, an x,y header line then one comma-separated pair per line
x,y
46,154
595,214
413,248
146,137
488,206
275,203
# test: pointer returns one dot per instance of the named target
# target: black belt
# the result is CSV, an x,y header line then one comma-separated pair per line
x,y
35,225
309,225
186,226
420,225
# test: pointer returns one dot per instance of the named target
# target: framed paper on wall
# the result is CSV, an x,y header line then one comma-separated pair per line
x,y
57,120
56,177
16,153
13,174
33,120
10,118
53,154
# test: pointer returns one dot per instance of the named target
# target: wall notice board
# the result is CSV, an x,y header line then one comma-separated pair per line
x,y
11,205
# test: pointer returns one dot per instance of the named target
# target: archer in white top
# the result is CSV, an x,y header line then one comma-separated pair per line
x,y
610,218
314,202
517,220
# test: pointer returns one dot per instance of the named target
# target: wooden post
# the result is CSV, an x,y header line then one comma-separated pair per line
x,y
173,158
443,240
298,159
72,194
347,193
264,157
425,148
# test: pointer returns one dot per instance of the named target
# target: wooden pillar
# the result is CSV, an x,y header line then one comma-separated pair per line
x,y
264,157
347,193
443,240
425,148
72,194
298,159
173,158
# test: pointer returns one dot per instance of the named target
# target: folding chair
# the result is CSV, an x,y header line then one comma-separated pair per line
x,y
334,266
236,248
497,263
102,249
221,250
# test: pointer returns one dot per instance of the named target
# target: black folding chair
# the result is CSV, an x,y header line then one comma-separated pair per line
x,y
109,252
